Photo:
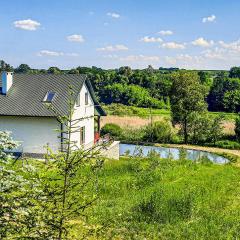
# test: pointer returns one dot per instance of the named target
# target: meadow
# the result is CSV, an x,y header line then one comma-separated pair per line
x,y
136,117
154,198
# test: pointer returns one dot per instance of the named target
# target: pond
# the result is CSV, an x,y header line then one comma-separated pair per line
x,y
165,152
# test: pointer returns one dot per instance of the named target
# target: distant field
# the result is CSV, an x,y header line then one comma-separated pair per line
x,y
128,116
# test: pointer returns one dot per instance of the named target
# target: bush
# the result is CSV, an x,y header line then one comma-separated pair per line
x,y
133,134
160,131
237,128
227,144
111,128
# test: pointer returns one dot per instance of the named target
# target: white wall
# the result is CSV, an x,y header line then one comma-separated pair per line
x,y
87,113
33,132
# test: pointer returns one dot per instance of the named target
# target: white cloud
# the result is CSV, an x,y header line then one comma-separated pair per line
x,y
201,42
75,38
166,32
47,53
173,45
147,39
211,18
136,58
233,46
72,54
113,15
27,24
115,48
216,53
184,61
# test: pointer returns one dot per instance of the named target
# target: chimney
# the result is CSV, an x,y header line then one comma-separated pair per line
x,y
7,81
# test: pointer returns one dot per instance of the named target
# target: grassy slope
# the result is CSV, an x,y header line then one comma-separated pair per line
x,y
167,200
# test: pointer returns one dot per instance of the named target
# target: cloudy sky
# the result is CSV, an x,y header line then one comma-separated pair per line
x,y
199,34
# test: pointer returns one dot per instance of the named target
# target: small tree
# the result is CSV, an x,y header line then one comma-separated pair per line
x,y
187,97
18,215
237,128
67,178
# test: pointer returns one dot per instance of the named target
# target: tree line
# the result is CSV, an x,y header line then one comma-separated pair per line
x,y
152,87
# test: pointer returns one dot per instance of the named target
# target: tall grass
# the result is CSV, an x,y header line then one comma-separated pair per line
x,y
164,199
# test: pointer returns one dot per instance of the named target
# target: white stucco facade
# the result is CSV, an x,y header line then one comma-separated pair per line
x,y
84,113
34,133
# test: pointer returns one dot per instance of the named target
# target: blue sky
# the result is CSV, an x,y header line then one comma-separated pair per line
x,y
190,34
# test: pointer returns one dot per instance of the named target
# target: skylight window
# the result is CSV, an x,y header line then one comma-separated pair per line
x,y
49,97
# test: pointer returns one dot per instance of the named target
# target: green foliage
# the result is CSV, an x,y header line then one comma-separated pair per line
x,y
237,128
231,101
54,70
234,72
228,144
113,129
224,89
132,95
203,128
160,132
23,68
19,192
163,199
123,110
187,98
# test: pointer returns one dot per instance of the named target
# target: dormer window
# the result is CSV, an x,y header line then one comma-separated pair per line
x,y
49,97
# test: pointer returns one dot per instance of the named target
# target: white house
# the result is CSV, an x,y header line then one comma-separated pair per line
x,y
24,110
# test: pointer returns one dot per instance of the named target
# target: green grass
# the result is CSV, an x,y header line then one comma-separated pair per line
x,y
123,110
163,199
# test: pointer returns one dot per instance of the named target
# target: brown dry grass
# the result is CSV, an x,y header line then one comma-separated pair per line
x,y
137,122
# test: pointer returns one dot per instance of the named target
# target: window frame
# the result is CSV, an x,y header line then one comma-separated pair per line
x,y
86,98
78,101
82,135
47,95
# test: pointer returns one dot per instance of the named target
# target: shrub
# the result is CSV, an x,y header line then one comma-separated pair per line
x,y
133,134
237,128
227,144
160,131
111,128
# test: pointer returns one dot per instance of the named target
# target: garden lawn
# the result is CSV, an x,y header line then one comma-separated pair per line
x,y
164,199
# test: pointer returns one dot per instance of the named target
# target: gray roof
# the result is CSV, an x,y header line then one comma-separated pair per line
x,y
25,97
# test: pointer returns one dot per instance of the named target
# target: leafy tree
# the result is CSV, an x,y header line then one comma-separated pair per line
x,y
204,128
234,72
221,85
73,71
187,97
5,66
231,101
54,70
66,180
204,78
18,214
23,68
237,128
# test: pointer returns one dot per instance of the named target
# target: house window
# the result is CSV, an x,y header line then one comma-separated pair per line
x,y
82,135
86,98
78,100
49,97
